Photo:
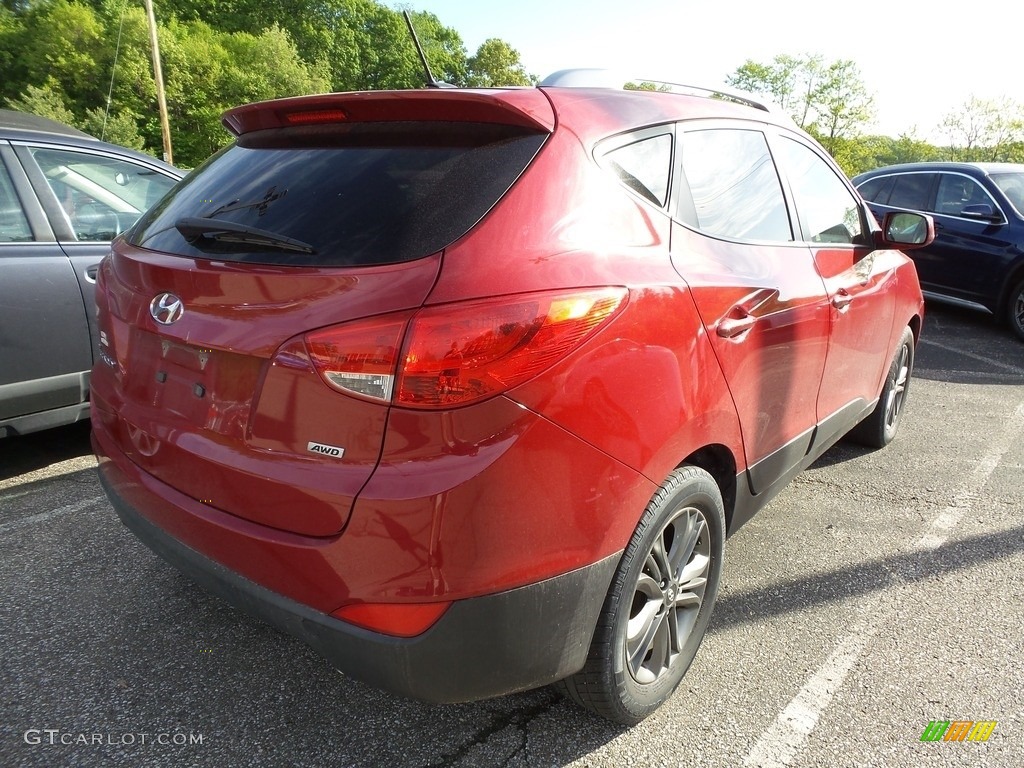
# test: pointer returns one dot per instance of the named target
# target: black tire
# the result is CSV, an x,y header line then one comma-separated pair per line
x,y
659,603
880,427
1015,310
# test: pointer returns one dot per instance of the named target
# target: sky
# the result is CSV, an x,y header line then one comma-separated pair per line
x,y
920,60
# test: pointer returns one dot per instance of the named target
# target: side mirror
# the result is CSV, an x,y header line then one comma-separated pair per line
x,y
981,212
906,230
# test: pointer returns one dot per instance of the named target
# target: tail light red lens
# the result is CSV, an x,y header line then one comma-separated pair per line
x,y
457,354
359,358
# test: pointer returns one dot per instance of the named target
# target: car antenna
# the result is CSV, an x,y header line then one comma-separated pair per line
x,y
431,82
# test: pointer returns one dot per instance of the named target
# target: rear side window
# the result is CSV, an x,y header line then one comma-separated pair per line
x,y
876,190
13,224
912,190
348,195
644,166
733,187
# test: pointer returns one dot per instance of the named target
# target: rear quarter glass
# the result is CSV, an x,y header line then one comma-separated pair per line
x,y
356,194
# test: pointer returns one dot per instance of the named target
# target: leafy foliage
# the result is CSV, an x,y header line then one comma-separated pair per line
x,y
830,101
63,58
87,63
496,63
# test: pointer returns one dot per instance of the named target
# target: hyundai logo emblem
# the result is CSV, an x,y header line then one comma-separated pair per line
x,y
166,308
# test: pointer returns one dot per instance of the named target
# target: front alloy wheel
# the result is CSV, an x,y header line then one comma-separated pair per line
x,y
881,425
659,602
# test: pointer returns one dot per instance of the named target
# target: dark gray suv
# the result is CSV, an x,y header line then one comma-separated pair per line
x,y
64,195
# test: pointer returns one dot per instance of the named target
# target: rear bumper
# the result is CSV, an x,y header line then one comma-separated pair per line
x,y
481,647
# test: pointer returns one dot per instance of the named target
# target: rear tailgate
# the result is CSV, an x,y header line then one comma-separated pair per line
x,y
327,210
204,405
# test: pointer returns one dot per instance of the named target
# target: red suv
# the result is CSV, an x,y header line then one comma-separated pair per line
x,y
466,389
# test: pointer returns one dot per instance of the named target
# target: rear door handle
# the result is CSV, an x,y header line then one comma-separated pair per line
x,y
842,299
91,272
731,327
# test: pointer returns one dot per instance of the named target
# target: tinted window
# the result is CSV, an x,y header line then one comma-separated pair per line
x,y
829,213
644,166
1012,185
876,190
956,191
366,193
734,189
911,190
100,195
13,224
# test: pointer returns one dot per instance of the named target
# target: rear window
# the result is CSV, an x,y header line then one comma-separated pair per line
x,y
340,195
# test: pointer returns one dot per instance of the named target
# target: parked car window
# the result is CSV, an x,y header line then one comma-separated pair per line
x,y
956,191
399,191
911,190
877,190
101,195
829,213
1012,185
13,224
733,185
644,166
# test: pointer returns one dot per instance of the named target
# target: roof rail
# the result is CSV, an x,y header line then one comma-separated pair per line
x,y
607,78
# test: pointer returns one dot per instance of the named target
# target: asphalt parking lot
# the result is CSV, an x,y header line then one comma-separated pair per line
x,y
881,591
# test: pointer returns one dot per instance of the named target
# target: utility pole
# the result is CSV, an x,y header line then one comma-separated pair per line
x,y
158,76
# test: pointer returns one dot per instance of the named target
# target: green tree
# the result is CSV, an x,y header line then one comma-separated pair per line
x,y
88,63
985,130
497,63
117,128
789,81
12,33
64,44
842,105
828,100
45,100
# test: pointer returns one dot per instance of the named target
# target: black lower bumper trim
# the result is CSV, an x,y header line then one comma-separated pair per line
x,y
481,647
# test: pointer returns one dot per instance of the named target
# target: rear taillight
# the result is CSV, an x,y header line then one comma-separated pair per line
x,y
359,358
457,354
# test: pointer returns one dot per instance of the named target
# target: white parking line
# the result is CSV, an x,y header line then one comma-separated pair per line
x,y
787,735
42,517
973,356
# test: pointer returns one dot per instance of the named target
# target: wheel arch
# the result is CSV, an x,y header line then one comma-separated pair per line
x,y
718,461
915,328
1013,278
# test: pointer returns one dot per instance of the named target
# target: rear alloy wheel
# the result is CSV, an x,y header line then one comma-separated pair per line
x,y
1015,310
659,602
878,429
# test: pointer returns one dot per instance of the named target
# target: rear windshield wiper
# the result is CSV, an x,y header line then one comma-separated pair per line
x,y
193,228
